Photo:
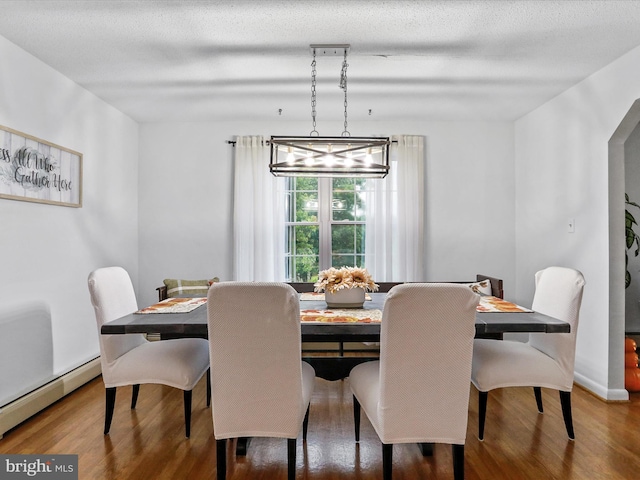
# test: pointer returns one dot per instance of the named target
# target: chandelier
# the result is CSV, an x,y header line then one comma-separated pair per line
x,y
316,156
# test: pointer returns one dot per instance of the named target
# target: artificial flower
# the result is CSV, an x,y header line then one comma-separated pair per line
x,y
362,278
333,280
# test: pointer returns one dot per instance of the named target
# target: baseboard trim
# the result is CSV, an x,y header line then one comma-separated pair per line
x,y
28,405
607,394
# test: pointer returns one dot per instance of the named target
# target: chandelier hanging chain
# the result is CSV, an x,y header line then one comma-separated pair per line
x,y
313,94
343,86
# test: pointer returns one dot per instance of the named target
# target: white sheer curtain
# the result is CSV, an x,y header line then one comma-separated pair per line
x,y
394,237
258,214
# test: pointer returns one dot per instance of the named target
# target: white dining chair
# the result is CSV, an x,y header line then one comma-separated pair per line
x,y
546,360
260,385
418,392
131,359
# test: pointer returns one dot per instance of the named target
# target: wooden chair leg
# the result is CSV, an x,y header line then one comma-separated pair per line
x,y
305,424
134,395
221,459
187,412
565,402
537,391
356,417
387,460
458,462
482,413
242,446
291,458
110,403
426,449
208,387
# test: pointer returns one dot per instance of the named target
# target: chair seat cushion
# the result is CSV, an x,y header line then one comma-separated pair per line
x,y
365,384
308,381
503,363
178,363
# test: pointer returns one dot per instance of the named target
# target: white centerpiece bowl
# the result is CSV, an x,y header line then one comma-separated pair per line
x,y
345,298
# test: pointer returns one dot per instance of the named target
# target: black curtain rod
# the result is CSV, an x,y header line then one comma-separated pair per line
x,y
233,142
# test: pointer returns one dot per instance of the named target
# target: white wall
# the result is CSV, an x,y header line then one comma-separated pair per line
x,y
186,196
47,251
562,172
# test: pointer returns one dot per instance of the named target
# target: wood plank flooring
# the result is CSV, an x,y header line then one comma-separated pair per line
x,y
149,442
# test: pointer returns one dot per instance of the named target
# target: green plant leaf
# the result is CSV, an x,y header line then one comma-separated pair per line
x,y
631,236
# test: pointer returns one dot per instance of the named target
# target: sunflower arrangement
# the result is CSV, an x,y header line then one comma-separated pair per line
x,y
333,280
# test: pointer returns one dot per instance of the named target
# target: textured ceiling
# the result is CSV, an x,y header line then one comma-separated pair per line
x,y
197,60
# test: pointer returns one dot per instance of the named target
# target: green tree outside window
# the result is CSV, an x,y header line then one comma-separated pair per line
x,y
333,209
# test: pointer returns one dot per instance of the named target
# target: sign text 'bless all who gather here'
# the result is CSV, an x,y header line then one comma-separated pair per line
x,y
35,170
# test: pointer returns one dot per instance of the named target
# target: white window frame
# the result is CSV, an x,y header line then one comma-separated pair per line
x,y
325,224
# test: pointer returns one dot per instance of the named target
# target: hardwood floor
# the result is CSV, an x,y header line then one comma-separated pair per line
x,y
149,442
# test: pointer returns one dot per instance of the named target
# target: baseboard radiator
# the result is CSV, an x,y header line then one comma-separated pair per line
x,y
19,410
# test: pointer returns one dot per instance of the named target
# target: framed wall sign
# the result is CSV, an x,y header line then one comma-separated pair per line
x,y
34,170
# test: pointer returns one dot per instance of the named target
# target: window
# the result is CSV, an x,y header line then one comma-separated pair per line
x,y
394,221
325,225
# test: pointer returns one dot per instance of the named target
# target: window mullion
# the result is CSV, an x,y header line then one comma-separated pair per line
x,y
324,218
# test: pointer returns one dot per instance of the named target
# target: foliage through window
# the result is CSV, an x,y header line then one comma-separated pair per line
x,y
325,225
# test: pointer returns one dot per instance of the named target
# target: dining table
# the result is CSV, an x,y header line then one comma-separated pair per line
x,y
334,367
320,324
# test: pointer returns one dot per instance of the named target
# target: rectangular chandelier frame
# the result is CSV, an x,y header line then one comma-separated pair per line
x,y
330,156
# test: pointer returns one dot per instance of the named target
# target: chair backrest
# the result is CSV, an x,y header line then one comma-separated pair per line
x,y
255,357
426,345
559,295
112,296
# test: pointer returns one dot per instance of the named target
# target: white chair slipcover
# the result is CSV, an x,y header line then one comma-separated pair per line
x,y
131,359
260,386
419,389
547,359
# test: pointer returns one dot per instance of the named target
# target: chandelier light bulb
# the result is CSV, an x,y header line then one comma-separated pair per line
x,y
309,160
291,159
348,161
329,159
368,159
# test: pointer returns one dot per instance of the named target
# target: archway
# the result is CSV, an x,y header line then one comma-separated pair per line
x,y
617,246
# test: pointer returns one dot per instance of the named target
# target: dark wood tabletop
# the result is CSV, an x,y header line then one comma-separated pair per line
x,y
329,367
194,323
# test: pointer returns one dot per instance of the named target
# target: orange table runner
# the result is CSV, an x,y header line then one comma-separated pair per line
x,y
174,305
497,305
356,315
350,315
